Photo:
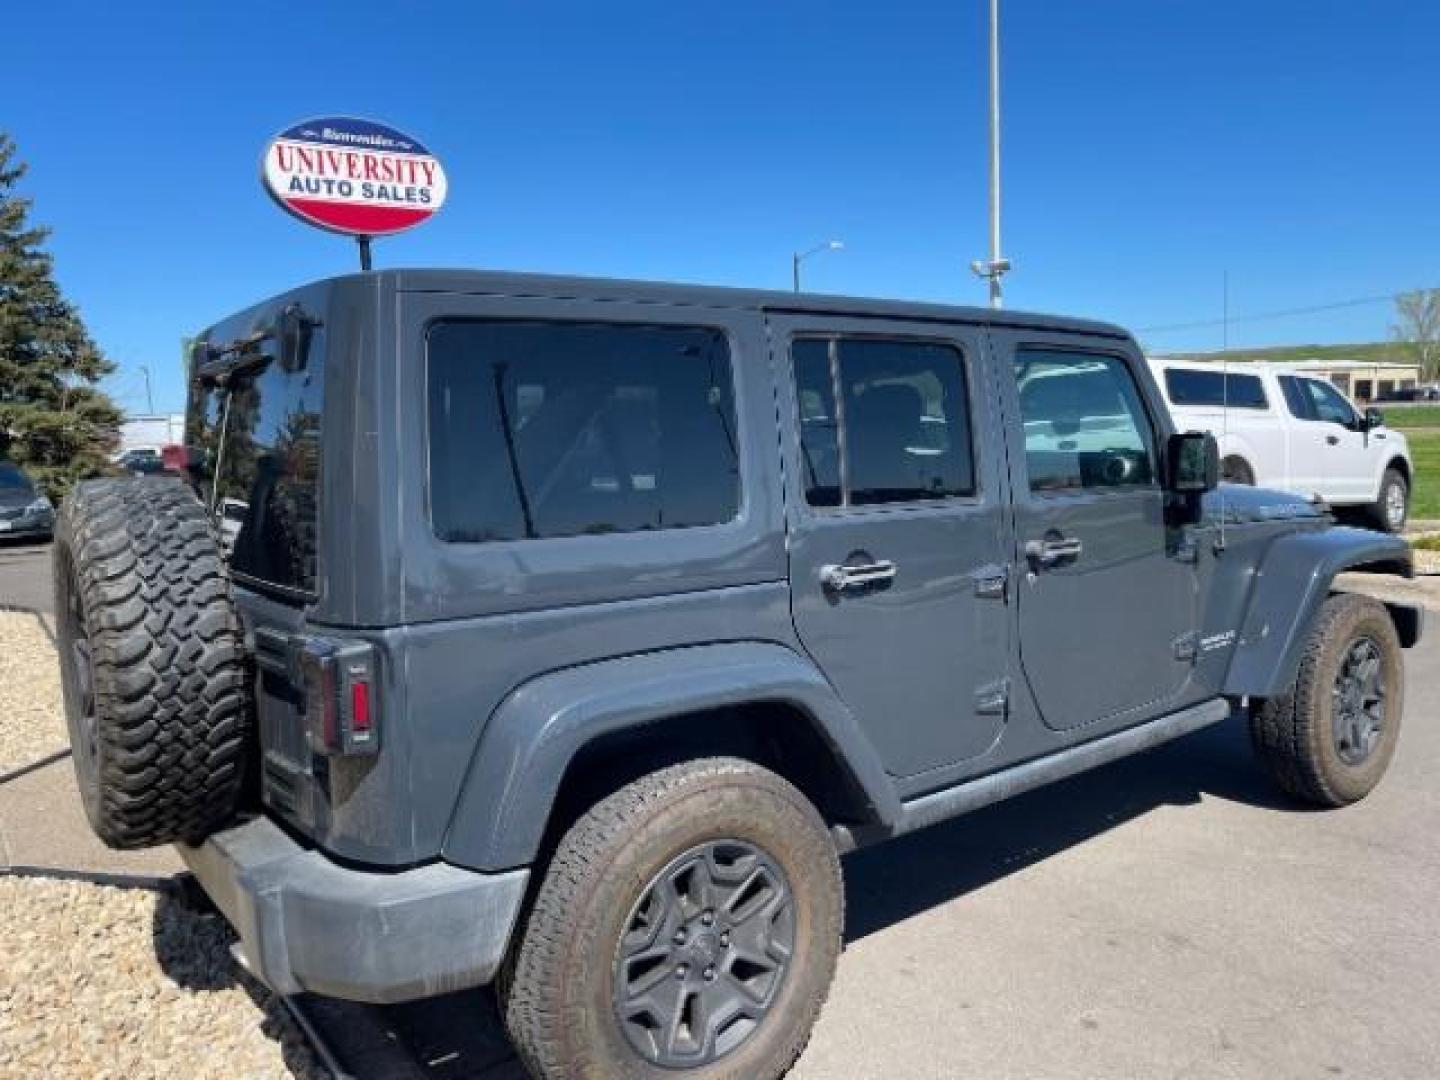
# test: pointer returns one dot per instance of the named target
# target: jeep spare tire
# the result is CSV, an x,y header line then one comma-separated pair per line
x,y
151,662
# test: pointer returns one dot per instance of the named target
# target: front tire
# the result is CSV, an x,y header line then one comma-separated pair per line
x,y
1330,739
1391,510
1236,470
688,926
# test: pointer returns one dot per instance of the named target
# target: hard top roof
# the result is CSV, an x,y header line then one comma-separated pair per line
x,y
554,286
503,283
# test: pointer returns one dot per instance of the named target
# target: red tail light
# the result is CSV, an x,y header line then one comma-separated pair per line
x,y
339,677
360,709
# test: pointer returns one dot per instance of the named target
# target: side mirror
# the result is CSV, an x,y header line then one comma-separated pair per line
x,y
1192,463
1373,418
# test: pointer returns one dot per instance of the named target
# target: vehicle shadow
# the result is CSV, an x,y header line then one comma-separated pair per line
x,y
461,1036
192,946
891,882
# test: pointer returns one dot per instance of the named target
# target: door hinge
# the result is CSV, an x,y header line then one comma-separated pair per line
x,y
1187,647
993,699
991,582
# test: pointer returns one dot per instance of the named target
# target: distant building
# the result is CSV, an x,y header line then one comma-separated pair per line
x,y
1366,380
151,431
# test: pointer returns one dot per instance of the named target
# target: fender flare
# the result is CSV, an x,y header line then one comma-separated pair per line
x,y
1292,581
515,775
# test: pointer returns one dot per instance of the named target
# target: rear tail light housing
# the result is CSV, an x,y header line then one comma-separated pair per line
x,y
341,697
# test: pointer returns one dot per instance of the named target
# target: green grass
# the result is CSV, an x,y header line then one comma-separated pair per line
x,y
1425,450
1381,352
1405,417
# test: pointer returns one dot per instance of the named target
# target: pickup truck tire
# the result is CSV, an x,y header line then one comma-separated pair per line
x,y
1330,739
1236,470
687,926
151,663
1392,508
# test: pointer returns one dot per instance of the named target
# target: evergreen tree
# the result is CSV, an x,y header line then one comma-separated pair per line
x,y
54,419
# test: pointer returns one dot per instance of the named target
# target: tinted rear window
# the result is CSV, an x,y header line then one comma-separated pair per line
x,y
1188,387
567,429
263,437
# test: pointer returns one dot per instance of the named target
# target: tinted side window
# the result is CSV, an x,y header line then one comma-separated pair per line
x,y
260,449
1085,424
1329,405
1296,400
568,429
819,425
1188,387
904,415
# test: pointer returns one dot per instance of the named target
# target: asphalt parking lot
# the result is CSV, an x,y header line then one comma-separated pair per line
x,y
25,575
1166,916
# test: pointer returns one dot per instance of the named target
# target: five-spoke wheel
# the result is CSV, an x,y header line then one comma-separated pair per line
x,y
688,924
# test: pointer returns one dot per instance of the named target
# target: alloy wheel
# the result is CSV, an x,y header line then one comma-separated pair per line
x,y
704,954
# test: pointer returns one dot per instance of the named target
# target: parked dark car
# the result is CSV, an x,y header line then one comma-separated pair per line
x,y
144,461
566,632
24,511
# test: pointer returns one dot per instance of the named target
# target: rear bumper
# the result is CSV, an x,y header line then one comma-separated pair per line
x,y
307,923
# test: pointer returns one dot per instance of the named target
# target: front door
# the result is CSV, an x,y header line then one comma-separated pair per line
x,y
1343,455
1107,604
897,536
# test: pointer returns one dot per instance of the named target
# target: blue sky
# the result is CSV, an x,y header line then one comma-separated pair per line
x,y
1150,146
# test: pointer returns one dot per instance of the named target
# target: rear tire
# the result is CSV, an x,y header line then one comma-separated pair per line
x,y
150,663
1391,510
1330,739
636,932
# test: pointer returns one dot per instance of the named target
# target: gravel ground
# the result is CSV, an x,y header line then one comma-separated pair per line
x,y
102,982
32,724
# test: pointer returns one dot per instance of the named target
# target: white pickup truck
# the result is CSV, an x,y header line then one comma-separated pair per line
x,y
1287,429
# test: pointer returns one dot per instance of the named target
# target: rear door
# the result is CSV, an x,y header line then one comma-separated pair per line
x,y
1107,601
897,532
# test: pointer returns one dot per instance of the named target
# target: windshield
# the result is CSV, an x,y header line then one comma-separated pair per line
x,y
13,480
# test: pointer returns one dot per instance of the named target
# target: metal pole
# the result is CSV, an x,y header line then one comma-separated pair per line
x,y
795,269
364,253
996,294
149,397
994,268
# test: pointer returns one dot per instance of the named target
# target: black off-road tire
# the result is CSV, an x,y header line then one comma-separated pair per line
x,y
1394,493
558,990
1294,734
151,663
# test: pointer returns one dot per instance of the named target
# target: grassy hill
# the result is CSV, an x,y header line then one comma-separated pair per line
x,y
1362,352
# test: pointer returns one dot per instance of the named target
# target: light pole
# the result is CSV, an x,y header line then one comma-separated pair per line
x,y
800,256
149,397
995,267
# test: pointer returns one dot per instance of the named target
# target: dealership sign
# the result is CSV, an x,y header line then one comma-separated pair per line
x,y
353,176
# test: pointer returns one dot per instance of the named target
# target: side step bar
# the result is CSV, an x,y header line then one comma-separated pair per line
x,y
973,794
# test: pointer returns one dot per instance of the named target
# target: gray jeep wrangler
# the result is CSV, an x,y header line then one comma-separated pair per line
x,y
564,633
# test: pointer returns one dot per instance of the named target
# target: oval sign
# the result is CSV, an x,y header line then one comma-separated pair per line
x,y
353,176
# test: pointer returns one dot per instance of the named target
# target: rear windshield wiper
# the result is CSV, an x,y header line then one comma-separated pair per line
x,y
291,330
218,364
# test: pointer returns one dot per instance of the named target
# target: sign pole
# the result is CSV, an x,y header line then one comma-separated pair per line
x,y
364,242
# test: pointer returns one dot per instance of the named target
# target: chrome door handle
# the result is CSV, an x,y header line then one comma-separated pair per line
x,y
1049,552
837,577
